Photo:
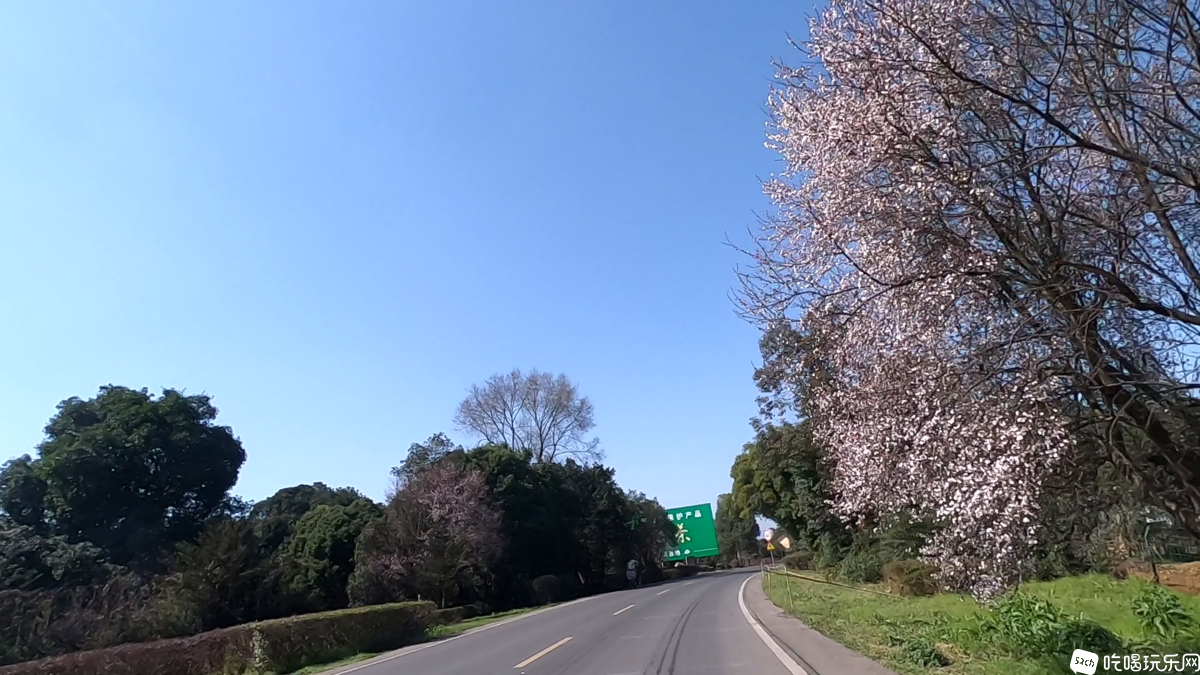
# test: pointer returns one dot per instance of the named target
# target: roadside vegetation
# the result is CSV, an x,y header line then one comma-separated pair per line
x,y
979,303
1090,580
122,529
451,629
1032,630
979,284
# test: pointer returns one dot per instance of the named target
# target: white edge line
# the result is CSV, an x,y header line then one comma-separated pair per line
x,y
622,610
406,651
784,658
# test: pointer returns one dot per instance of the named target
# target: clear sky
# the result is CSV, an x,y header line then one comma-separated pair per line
x,y
334,217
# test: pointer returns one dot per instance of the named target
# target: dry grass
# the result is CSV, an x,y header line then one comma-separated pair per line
x,y
1184,578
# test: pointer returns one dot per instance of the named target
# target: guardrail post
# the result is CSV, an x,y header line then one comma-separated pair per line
x,y
787,580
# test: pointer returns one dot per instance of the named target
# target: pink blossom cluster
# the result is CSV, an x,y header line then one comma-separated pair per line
x,y
937,398
987,229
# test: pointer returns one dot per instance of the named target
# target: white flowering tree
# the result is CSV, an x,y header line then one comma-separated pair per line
x,y
986,233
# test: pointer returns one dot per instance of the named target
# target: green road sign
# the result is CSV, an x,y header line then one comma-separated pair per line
x,y
695,534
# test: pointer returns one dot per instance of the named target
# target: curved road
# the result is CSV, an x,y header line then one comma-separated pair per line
x,y
686,627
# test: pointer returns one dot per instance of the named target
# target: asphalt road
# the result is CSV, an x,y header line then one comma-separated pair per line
x,y
687,627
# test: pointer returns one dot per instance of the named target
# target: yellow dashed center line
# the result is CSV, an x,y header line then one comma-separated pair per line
x,y
542,653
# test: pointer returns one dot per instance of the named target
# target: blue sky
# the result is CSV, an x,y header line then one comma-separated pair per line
x,y
335,217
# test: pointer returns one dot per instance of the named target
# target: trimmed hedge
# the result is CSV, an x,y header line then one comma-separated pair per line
x,y
285,645
219,651
279,646
449,615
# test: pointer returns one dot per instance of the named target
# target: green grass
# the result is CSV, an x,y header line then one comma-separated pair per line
x,y
898,631
449,630
432,633
312,670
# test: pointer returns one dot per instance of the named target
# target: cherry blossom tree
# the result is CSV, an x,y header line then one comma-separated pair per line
x,y
985,233
438,537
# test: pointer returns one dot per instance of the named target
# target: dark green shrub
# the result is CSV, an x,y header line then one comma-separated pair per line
x,y
652,574
1036,628
914,649
1161,614
227,651
478,609
862,566
124,608
546,589
828,553
449,615
923,653
798,561
1029,626
279,645
615,581
912,578
1082,634
569,587
283,645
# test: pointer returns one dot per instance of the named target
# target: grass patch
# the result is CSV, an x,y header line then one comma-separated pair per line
x,y
431,633
953,635
452,629
312,670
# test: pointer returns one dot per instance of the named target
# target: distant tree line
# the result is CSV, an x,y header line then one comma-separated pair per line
x,y
122,528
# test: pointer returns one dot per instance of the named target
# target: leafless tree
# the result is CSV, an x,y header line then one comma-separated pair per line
x,y
538,412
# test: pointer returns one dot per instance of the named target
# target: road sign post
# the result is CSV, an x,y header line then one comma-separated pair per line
x,y
695,533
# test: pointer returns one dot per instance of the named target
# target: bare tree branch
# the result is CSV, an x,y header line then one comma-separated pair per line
x,y
538,412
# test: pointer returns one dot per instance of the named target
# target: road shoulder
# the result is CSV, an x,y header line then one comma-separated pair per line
x,y
816,654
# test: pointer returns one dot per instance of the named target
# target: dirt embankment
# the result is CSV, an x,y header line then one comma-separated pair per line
x,y
1184,578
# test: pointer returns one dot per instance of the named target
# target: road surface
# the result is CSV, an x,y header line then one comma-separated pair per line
x,y
687,627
